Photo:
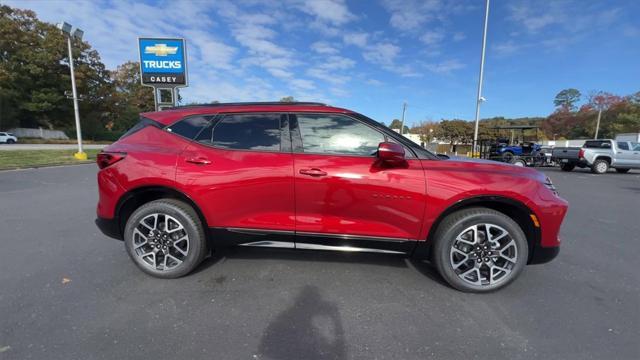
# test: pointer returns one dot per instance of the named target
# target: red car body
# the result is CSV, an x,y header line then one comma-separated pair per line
x,y
294,199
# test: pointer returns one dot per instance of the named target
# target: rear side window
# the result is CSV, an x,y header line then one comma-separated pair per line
x,y
259,132
189,127
623,145
144,122
597,144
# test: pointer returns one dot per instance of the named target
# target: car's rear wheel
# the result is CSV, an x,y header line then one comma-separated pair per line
x,y
623,171
11,141
567,167
479,250
600,166
507,156
520,163
165,238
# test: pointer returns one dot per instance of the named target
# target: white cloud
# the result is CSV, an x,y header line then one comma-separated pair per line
x,y
382,53
373,82
408,15
323,47
303,84
432,37
445,67
332,11
459,36
356,38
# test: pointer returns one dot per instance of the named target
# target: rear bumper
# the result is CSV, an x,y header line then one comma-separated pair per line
x,y
109,227
543,255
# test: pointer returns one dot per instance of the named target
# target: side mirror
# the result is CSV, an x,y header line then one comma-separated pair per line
x,y
390,152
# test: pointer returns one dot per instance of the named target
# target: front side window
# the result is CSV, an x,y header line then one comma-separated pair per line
x,y
260,132
337,134
623,145
635,146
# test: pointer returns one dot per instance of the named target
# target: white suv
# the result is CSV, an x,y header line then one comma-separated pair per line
x,y
8,138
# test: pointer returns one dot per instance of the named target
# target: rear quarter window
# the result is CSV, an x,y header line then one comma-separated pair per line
x,y
190,127
144,122
597,144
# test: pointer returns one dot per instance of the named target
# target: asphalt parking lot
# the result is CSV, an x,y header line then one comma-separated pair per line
x,y
68,292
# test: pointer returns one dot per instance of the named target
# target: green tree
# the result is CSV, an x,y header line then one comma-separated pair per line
x,y
288,99
396,124
455,131
34,73
567,99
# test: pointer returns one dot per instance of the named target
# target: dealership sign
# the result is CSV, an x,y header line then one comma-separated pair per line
x,y
163,62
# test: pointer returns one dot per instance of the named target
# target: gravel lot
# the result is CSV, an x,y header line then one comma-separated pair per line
x,y
68,292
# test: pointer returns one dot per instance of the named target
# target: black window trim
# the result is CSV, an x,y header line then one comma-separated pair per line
x,y
298,143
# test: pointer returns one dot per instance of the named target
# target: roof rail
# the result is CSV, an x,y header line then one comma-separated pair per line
x,y
258,103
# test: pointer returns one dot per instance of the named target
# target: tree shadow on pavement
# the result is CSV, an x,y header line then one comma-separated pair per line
x,y
310,329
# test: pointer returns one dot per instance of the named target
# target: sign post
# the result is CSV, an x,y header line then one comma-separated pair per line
x,y
163,66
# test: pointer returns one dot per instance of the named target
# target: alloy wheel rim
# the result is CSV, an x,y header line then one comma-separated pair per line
x,y
602,167
160,241
483,254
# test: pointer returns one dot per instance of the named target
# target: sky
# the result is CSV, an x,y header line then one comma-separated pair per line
x,y
371,56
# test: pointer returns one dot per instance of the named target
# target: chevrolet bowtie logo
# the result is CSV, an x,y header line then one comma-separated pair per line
x,y
160,50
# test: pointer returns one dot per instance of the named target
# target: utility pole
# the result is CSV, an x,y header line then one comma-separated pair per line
x,y
404,109
480,99
598,122
76,34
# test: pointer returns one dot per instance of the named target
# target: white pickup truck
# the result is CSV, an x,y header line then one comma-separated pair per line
x,y
600,155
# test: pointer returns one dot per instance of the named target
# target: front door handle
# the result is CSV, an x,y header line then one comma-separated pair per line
x,y
313,172
198,160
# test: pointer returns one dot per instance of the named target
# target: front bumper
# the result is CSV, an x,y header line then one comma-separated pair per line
x,y
109,227
543,255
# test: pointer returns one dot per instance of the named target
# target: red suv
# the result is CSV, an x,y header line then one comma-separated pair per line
x,y
183,183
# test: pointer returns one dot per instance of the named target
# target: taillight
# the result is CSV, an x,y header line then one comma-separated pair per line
x,y
581,154
105,159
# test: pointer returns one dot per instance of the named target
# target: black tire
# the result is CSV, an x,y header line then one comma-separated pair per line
x,y
600,166
507,156
455,224
188,218
567,167
622,171
11,141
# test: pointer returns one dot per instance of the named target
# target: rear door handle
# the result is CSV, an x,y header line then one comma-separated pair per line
x,y
313,172
198,160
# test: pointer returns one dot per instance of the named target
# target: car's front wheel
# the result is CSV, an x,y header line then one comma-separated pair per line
x,y
11,141
479,250
165,238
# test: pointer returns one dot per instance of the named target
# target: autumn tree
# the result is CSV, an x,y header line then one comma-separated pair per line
x,y
426,130
129,97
